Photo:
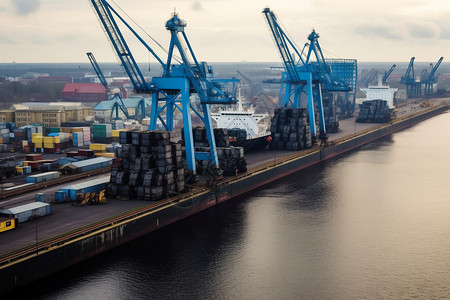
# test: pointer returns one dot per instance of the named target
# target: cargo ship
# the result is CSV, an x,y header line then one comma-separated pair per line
x,y
124,221
246,128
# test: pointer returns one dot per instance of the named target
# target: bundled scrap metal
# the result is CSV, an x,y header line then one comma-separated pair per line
x,y
231,159
290,129
150,166
374,111
331,118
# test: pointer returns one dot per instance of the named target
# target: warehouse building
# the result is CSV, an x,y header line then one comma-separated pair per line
x,y
50,114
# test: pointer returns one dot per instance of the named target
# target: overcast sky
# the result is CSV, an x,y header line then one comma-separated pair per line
x,y
231,30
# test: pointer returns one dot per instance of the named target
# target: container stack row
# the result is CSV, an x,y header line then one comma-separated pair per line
x,y
374,111
290,129
102,133
149,166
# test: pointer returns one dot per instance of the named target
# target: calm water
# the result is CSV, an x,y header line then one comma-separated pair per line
x,y
372,224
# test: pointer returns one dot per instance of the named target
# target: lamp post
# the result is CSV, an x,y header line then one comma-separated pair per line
x,y
36,230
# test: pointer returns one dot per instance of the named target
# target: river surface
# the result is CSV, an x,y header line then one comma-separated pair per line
x,y
372,224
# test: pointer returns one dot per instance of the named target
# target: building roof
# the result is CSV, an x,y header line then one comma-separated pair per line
x,y
129,103
91,161
89,183
49,106
24,208
84,88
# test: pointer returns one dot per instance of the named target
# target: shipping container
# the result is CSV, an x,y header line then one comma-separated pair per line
x,y
39,197
93,164
92,186
47,176
27,212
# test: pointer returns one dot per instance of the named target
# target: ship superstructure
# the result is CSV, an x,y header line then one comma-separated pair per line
x,y
380,92
236,116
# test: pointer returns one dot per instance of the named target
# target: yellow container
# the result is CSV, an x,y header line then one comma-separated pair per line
x,y
56,139
19,169
38,139
37,145
105,154
49,146
97,147
116,132
48,139
77,129
25,163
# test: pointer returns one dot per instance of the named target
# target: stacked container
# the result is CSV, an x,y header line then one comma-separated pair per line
x,y
102,133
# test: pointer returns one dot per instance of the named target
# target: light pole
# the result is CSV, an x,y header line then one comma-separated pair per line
x,y
36,230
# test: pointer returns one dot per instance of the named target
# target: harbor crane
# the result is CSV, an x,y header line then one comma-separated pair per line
x,y
431,79
307,76
413,87
180,83
118,105
387,74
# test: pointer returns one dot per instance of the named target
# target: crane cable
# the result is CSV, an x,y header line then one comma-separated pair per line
x,y
145,32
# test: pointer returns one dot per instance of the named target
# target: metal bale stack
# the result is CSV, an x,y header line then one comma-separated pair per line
x,y
231,159
150,166
331,118
374,111
290,129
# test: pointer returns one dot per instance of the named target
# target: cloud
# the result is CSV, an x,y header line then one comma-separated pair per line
x,y
24,7
197,6
377,31
424,30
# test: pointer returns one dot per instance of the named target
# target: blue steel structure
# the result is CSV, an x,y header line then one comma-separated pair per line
x,y
387,74
413,87
178,83
309,76
119,104
97,69
431,79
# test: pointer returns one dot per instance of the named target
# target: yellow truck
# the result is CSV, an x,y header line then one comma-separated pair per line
x,y
7,223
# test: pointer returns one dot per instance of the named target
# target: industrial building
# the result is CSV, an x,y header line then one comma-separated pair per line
x,y
50,114
102,111
84,92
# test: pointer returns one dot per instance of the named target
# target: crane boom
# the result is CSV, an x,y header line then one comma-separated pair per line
x,y
431,77
283,42
387,74
104,13
97,69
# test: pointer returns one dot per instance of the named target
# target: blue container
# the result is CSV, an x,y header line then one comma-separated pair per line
x,y
60,196
39,197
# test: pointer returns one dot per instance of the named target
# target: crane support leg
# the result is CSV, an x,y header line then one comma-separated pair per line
x,y
187,124
210,133
320,106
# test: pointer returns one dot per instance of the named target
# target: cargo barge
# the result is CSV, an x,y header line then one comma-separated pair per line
x,y
33,262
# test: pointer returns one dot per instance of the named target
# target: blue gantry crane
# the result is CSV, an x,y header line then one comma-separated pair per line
x,y
413,87
181,80
387,74
431,79
310,74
